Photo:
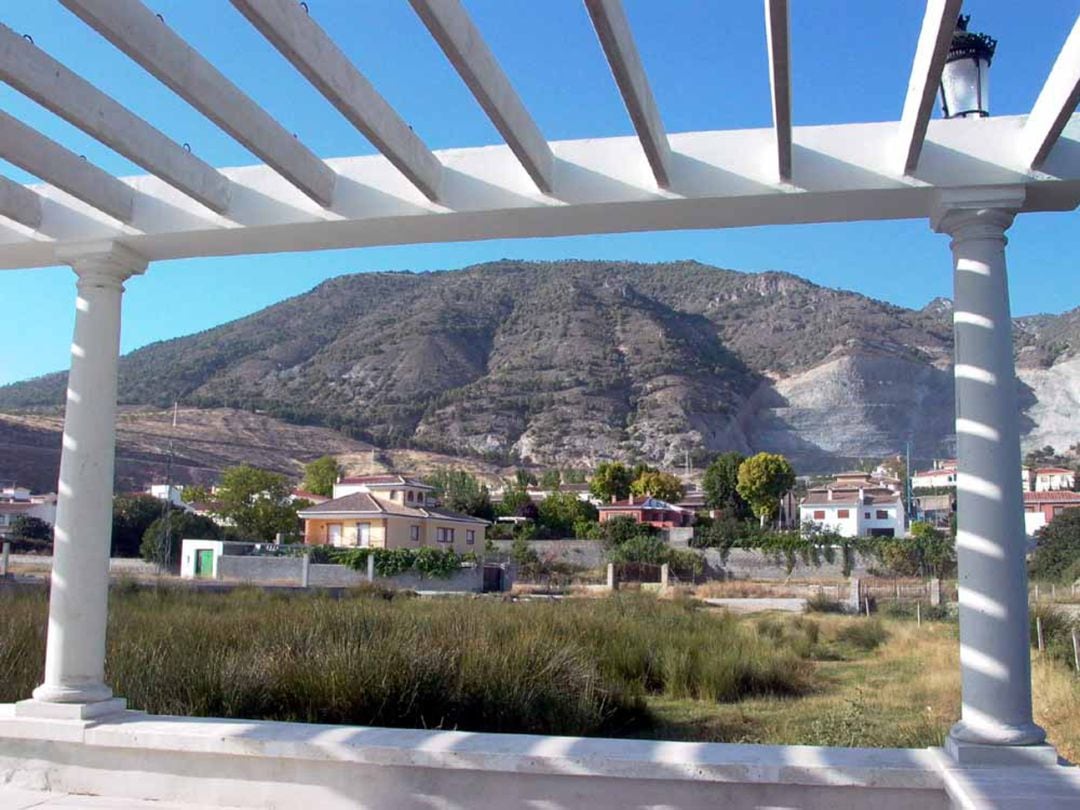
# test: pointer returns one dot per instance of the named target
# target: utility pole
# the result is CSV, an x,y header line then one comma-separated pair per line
x,y
907,481
165,546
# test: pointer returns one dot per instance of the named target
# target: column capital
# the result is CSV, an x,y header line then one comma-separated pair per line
x,y
976,212
106,263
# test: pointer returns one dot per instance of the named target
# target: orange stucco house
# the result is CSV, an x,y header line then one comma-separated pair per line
x,y
389,511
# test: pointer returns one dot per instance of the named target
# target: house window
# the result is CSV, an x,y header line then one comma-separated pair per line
x,y
882,514
410,496
414,534
444,535
866,515
843,513
819,514
393,494
470,536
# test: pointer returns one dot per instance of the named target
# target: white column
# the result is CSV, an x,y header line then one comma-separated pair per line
x,y
78,601
995,658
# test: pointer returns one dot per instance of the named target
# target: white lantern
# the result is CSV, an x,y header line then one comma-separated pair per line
x,y
965,81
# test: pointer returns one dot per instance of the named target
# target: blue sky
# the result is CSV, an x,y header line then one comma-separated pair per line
x,y
706,61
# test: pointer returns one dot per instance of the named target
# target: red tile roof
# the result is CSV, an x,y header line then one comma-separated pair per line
x,y
363,503
1055,496
1052,471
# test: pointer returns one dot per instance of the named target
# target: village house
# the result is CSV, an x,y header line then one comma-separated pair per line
x,y
854,505
653,511
389,511
16,502
1042,507
1040,479
1053,479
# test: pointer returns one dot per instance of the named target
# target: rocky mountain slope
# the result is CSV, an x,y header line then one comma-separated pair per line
x,y
575,362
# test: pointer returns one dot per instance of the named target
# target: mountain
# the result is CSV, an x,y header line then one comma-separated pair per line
x,y
573,362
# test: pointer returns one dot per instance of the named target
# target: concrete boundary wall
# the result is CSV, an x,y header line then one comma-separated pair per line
x,y
741,563
243,763
289,570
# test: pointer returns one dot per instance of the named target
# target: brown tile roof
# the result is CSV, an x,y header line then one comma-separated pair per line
x,y
363,503
356,502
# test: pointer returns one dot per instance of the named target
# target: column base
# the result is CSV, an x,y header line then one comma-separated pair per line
x,y
47,710
84,693
997,735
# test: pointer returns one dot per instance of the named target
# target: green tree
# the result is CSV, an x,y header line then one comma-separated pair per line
x,y
662,485
1057,548
194,493
524,479
935,550
257,502
550,479
461,491
612,479
559,511
320,476
131,516
26,527
762,480
180,525
721,485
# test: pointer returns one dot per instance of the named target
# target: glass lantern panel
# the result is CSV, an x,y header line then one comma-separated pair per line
x,y
965,86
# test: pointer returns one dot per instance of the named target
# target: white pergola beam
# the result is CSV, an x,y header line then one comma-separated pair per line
x,y
37,75
304,43
617,40
938,25
460,40
1056,102
138,32
33,152
19,203
777,34
847,173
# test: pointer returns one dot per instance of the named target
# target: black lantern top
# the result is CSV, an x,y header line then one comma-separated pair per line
x,y
968,45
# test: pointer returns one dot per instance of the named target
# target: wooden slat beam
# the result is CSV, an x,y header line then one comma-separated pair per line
x,y
1056,102
304,43
776,33
19,203
33,152
138,32
617,40
938,25
460,40
34,73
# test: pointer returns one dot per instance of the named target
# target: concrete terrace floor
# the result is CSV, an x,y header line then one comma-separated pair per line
x,y
17,799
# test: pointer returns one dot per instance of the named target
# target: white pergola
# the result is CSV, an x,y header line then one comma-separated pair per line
x,y
968,177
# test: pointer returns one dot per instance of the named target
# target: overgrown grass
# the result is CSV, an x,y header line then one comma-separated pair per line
x,y
477,664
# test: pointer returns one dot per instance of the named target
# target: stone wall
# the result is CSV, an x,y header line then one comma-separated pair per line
x,y
289,570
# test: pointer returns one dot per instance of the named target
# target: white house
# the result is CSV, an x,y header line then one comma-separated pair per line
x,y
1053,479
16,502
167,492
854,508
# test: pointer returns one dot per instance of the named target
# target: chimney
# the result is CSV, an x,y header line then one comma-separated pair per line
x,y
613,497
829,490
631,498
860,495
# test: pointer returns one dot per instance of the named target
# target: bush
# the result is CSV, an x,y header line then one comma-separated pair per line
x,y
428,562
1057,627
820,603
1057,549
180,525
864,635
